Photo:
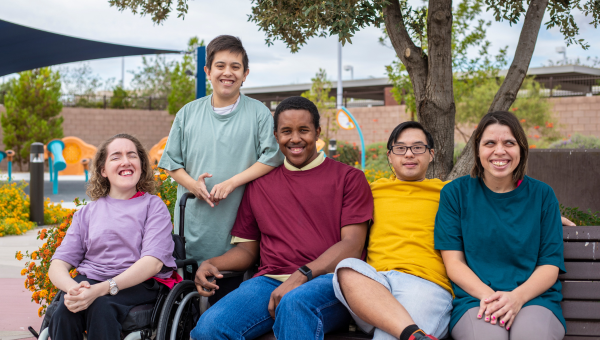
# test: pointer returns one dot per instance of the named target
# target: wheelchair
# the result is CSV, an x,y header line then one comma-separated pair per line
x,y
176,311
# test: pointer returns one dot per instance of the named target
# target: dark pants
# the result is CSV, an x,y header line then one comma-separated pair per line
x,y
103,318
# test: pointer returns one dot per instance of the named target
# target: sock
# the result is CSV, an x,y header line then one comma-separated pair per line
x,y
408,331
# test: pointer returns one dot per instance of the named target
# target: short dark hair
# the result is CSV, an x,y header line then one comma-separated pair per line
x,y
297,103
507,119
226,43
409,125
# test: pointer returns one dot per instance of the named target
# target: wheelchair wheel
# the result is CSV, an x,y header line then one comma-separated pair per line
x,y
188,308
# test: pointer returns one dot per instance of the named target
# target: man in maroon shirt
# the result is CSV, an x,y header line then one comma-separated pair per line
x,y
305,217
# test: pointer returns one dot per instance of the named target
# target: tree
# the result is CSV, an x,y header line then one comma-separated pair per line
x,y
183,84
153,79
32,112
319,94
428,62
79,80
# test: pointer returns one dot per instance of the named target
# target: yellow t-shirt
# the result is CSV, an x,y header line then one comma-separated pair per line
x,y
401,237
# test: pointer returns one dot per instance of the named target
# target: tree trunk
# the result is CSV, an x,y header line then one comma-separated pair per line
x,y
431,76
514,78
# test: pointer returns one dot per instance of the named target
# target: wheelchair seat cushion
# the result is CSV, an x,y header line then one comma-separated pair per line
x,y
139,317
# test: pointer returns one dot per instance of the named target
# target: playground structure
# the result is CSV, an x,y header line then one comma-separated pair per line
x,y
9,154
347,122
157,150
69,156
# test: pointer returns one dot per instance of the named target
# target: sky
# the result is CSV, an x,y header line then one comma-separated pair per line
x,y
274,65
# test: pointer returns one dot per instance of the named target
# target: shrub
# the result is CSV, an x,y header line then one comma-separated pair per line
x,y
579,217
14,209
37,281
577,141
167,189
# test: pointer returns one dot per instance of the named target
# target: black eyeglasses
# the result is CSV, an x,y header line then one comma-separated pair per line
x,y
415,149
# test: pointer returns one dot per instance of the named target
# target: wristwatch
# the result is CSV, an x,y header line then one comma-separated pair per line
x,y
112,287
306,271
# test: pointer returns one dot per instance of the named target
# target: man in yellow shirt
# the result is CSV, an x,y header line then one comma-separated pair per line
x,y
404,282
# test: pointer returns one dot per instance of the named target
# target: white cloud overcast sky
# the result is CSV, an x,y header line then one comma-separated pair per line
x,y
275,65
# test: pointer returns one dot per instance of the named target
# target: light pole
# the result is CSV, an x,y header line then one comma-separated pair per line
x,y
340,88
562,50
351,69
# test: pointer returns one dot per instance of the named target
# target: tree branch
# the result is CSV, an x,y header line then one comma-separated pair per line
x,y
520,64
411,56
514,78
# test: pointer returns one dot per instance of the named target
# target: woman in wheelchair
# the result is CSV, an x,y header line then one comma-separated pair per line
x,y
120,244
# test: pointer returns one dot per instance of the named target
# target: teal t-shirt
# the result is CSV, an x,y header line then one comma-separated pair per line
x,y
504,237
223,145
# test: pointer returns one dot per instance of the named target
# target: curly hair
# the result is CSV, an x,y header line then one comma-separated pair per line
x,y
99,186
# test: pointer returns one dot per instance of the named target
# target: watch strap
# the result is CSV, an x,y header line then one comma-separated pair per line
x,y
306,271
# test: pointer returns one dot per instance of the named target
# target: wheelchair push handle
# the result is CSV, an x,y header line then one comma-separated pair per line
x,y
182,203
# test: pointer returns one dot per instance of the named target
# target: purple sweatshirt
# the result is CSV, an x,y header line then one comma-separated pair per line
x,y
109,235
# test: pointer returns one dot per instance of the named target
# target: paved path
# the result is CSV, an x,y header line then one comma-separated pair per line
x,y
17,312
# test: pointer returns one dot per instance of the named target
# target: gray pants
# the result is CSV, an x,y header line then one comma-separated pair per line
x,y
532,322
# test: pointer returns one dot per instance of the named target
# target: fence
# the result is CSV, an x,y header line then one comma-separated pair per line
x,y
569,85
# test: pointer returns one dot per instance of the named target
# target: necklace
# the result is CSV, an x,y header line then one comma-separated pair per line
x,y
213,106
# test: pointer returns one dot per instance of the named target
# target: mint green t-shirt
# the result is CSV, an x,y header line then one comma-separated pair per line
x,y
223,145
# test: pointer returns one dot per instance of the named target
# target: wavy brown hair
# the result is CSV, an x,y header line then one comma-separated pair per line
x,y
99,186
508,119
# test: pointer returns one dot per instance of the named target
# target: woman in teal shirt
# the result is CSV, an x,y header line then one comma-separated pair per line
x,y
500,235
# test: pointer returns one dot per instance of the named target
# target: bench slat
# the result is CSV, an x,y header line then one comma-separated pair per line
x,y
581,234
581,271
582,250
581,310
586,290
583,328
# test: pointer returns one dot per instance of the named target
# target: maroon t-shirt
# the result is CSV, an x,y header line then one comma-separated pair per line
x,y
298,215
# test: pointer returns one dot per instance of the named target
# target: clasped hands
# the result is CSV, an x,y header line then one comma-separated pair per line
x,y
500,308
79,297
218,193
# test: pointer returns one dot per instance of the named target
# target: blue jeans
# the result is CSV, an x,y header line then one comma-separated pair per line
x,y
307,312
428,304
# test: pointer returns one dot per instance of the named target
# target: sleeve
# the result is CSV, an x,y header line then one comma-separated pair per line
x,y
157,240
551,241
245,225
268,149
357,202
72,249
448,230
172,157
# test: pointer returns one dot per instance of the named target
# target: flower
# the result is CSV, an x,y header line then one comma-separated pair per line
x,y
549,125
23,271
19,256
532,146
523,120
514,109
163,177
536,136
34,255
536,127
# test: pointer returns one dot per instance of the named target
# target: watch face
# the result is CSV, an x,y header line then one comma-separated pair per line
x,y
114,290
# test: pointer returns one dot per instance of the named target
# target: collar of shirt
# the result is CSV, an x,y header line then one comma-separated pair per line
x,y
315,163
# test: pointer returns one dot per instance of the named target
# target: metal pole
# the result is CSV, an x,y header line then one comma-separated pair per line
x,y
200,74
36,183
123,72
339,83
362,140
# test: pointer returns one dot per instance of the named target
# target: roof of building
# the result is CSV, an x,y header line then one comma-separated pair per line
x,y
373,88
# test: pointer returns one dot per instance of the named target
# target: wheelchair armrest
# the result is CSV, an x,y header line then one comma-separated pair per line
x,y
226,274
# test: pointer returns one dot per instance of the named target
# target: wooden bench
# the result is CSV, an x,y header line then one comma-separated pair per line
x,y
581,287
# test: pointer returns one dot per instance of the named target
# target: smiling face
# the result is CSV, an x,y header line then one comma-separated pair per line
x,y
122,168
411,167
297,137
499,153
226,74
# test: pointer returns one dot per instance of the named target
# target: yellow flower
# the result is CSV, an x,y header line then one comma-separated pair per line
x,y
19,256
40,310
163,177
23,271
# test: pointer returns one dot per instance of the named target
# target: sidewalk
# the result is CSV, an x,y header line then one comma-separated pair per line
x,y
18,311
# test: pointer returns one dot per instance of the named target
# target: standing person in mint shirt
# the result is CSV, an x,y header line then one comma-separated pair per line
x,y
500,235
217,144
